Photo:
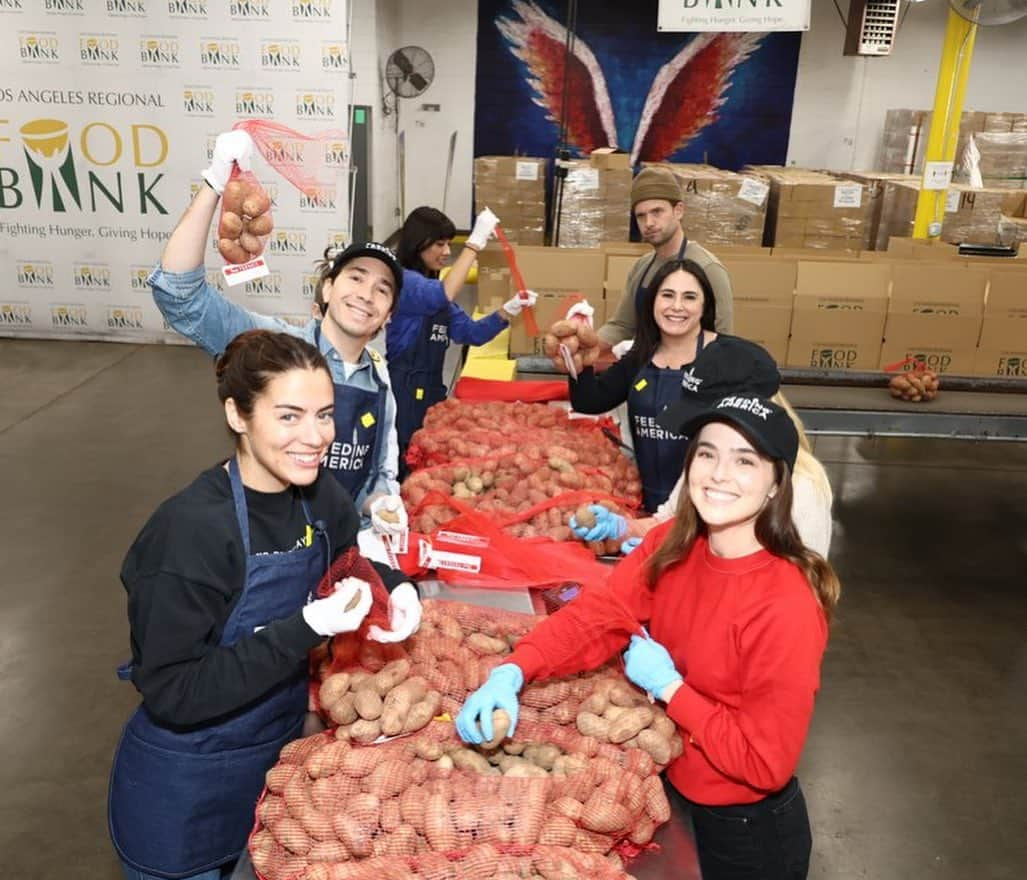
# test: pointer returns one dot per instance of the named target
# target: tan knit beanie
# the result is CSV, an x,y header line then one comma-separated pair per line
x,y
655,183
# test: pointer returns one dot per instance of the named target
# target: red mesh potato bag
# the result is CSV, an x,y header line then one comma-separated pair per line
x,y
245,221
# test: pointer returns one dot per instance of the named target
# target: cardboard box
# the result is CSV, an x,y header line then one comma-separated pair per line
x,y
839,313
514,187
554,273
617,270
1007,363
934,315
1005,311
763,292
953,359
610,157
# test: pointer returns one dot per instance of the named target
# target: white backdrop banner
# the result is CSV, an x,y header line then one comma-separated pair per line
x,y
733,15
108,114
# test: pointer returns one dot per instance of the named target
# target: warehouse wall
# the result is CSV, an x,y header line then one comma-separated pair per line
x,y
840,102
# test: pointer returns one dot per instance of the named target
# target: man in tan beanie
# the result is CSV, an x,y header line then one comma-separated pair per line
x,y
658,209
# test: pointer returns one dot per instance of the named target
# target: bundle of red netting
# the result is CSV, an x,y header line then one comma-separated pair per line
x,y
572,791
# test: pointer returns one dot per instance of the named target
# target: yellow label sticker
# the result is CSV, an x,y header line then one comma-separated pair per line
x,y
367,420
445,716
309,539
419,394
640,384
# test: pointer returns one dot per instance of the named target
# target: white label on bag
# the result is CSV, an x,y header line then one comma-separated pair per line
x,y
952,200
526,171
584,178
462,539
429,557
753,191
241,273
848,195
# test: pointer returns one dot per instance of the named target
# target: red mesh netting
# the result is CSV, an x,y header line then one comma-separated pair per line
x,y
310,162
581,773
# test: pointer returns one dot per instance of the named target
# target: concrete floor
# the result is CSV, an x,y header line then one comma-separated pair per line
x,y
917,759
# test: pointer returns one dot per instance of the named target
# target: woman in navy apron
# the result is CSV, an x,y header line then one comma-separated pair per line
x,y
675,317
220,584
427,318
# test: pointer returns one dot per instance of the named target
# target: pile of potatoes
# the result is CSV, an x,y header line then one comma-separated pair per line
x,y
367,705
580,340
618,713
245,221
914,386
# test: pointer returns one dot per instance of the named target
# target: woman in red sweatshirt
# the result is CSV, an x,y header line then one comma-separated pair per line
x,y
738,612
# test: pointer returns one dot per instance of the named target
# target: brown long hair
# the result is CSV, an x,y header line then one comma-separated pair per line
x,y
775,530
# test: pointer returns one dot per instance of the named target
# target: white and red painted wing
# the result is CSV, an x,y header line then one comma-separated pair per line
x,y
687,92
540,41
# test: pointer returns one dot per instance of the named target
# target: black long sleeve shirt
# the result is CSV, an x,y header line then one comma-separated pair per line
x,y
184,574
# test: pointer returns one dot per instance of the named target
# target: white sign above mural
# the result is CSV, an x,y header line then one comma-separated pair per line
x,y
733,15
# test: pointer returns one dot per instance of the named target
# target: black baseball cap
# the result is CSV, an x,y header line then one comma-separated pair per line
x,y
378,252
728,365
761,420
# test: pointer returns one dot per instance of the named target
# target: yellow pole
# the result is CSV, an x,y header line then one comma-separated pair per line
x,y
956,53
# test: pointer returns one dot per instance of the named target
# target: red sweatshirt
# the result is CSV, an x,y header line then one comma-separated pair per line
x,y
747,634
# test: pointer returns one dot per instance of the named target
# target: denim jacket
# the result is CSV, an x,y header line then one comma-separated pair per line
x,y
200,313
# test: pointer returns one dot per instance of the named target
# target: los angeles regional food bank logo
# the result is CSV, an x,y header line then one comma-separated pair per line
x,y
113,167
220,54
99,49
311,10
39,47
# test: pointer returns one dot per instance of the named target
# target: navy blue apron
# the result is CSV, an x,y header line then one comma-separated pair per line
x,y
359,416
416,375
642,287
181,803
659,454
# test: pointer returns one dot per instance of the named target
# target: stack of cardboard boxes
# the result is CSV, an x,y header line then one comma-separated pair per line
x,y
722,207
1002,349
596,202
514,187
811,209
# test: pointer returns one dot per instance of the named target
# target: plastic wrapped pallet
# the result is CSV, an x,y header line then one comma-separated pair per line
x,y
722,207
877,193
897,210
596,205
902,132
812,209
1003,158
975,215
514,187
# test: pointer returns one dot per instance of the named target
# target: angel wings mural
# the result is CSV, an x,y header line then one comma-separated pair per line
x,y
608,94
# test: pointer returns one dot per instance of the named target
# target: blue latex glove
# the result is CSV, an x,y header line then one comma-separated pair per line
x,y
629,545
499,692
648,665
608,525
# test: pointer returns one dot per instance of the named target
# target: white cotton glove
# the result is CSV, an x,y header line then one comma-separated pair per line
x,y
230,147
581,309
513,307
622,348
484,225
389,516
404,616
329,616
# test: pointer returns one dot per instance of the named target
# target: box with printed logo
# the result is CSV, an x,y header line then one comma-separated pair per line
x,y
839,314
934,314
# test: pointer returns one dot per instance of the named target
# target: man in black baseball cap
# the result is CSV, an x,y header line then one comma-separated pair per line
x,y
356,291
730,364
765,423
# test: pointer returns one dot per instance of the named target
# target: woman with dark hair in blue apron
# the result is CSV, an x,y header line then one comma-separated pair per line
x,y
675,317
220,586
427,318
